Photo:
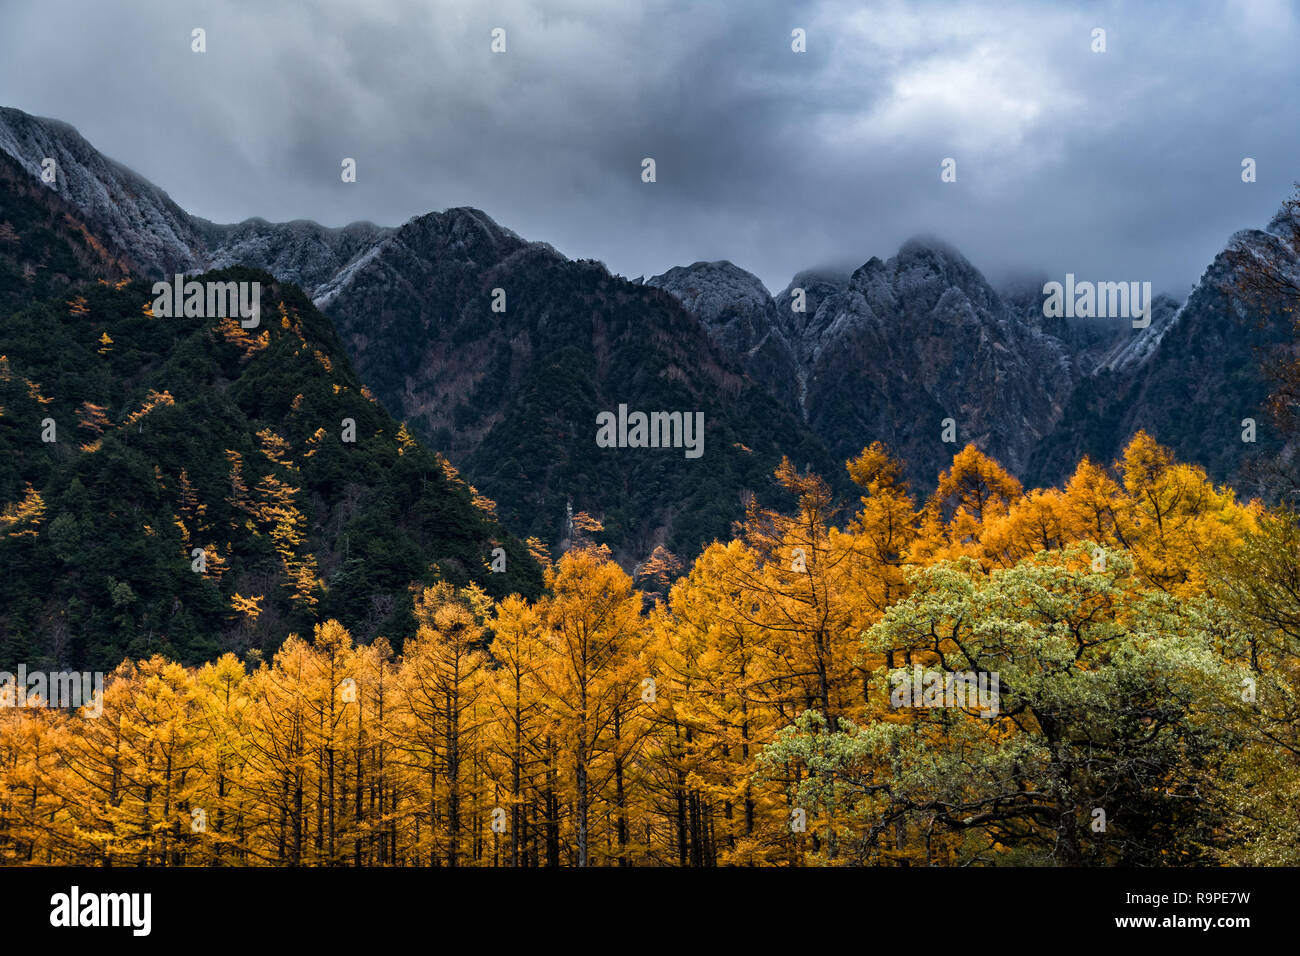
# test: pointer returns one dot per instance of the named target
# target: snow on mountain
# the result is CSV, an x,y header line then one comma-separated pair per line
x,y
136,215
741,318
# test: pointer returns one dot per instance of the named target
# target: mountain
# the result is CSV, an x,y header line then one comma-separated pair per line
x,y
900,345
740,317
921,338
1190,380
45,246
501,353
135,217
511,397
892,351
131,444
515,394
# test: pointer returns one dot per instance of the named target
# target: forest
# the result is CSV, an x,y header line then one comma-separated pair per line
x,y
187,487
1143,624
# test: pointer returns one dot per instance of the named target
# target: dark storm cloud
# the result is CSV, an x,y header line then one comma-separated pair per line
x,y
1119,165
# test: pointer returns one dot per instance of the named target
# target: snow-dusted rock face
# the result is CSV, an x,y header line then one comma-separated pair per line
x,y
159,236
741,318
1131,350
817,285
921,338
133,213
720,294
886,353
303,252
891,351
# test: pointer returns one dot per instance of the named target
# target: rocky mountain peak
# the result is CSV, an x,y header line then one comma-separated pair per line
x,y
925,268
129,210
301,251
715,292
817,285
741,317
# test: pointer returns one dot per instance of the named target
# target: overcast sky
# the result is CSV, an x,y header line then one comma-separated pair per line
x,y
1121,165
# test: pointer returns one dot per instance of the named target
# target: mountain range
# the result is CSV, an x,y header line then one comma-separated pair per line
x,y
500,352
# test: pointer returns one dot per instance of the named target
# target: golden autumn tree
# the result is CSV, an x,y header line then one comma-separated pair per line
x,y
885,527
279,770
975,490
515,712
801,589
131,767
719,698
593,625
33,792
220,806
443,678
1173,518
377,799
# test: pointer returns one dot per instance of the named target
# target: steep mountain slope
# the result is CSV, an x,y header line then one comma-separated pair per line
x,y
1190,381
136,217
740,316
128,210
511,397
892,351
818,285
44,244
515,394
127,441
